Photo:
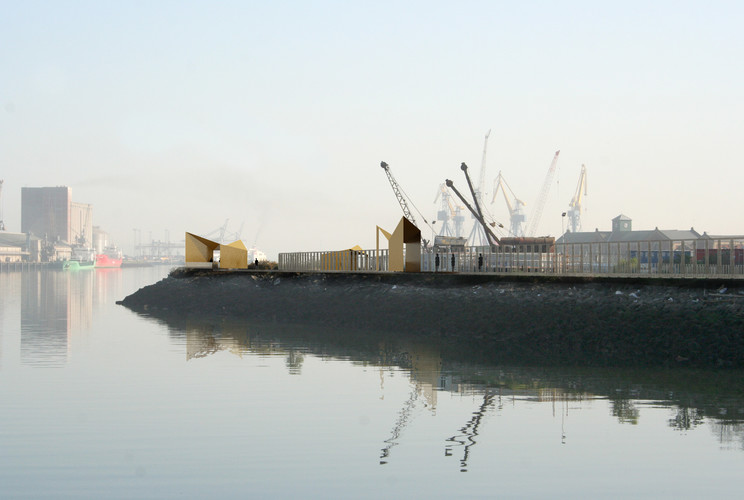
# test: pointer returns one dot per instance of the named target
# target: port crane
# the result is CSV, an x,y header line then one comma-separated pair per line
x,y
477,236
574,208
540,205
220,232
401,196
448,212
516,214
493,240
2,224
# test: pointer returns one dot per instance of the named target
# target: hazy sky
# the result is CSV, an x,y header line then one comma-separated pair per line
x,y
179,115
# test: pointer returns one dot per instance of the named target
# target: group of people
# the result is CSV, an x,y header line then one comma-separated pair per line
x,y
452,262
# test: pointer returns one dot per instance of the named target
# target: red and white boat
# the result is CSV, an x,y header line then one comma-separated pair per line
x,y
111,257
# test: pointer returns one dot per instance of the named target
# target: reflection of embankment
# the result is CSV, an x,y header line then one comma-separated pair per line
x,y
520,323
692,396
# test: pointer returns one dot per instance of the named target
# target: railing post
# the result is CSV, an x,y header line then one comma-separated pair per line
x,y
732,260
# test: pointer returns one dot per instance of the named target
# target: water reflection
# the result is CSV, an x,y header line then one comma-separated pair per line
x,y
692,397
53,306
466,438
57,307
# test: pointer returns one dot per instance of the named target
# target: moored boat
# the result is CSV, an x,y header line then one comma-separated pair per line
x,y
81,258
111,257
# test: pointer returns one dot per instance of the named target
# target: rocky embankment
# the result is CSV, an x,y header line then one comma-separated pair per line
x,y
529,321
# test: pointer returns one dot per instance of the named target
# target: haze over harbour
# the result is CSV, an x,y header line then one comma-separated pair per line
x,y
177,116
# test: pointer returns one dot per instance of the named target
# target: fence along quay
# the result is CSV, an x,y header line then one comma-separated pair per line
x,y
693,258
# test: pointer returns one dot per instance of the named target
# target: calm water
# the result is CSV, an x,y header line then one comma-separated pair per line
x,y
98,402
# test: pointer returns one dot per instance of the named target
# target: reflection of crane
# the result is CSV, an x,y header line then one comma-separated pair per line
x,y
516,214
2,224
449,212
540,205
574,208
401,196
469,432
403,416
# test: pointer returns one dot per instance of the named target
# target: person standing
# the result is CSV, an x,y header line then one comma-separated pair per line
x,y
452,260
436,263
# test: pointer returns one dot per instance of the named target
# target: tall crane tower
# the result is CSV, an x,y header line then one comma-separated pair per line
x,y
401,196
482,179
491,238
477,236
540,205
2,224
398,193
516,214
449,212
574,208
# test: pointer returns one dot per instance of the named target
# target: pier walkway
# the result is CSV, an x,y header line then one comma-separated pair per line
x,y
699,258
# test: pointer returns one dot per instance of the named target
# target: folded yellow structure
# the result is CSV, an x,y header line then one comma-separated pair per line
x,y
342,260
404,247
234,255
200,253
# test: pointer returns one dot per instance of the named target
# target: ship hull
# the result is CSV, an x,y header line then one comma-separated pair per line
x,y
106,261
74,265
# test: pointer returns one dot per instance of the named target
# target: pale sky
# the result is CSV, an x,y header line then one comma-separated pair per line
x,y
179,115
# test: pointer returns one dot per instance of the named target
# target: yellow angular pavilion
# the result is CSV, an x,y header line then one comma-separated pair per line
x,y
200,253
405,237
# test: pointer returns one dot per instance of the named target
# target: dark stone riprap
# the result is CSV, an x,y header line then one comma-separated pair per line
x,y
527,320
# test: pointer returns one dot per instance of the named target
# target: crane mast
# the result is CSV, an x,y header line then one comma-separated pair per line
x,y
482,179
516,214
540,205
401,196
2,223
398,193
477,236
493,240
448,212
574,208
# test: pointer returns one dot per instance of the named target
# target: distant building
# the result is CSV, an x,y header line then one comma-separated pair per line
x,y
672,251
622,223
101,239
622,231
50,214
19,247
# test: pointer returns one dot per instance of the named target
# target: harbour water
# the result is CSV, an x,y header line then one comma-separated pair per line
x,y
99,402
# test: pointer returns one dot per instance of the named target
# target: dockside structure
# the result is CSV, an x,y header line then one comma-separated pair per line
x,y
704,256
